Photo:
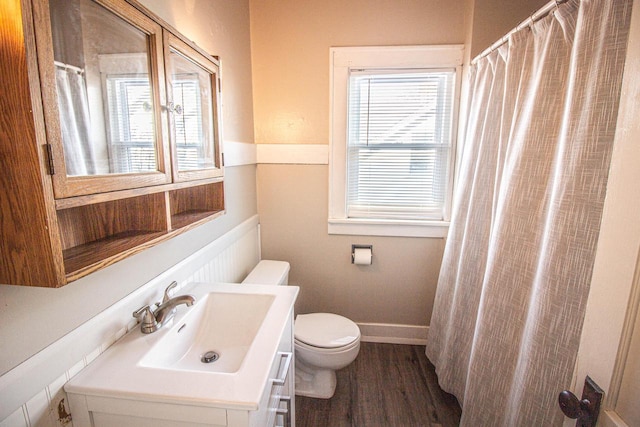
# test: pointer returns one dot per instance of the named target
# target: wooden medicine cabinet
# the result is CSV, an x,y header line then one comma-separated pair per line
x,y
110,137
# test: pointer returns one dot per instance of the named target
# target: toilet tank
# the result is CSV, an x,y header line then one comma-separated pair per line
x,y
269,273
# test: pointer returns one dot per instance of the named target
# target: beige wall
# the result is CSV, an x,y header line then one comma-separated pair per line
x,y
290,42
290,51
492,19
397,288
290,54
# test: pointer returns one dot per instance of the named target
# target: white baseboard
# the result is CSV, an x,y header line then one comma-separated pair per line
x,y
393,334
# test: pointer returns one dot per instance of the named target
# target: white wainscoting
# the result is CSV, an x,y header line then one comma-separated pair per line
x,y
24,402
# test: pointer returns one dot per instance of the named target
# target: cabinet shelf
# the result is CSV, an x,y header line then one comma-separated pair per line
x,y
192,217
193,204
88,257
101,233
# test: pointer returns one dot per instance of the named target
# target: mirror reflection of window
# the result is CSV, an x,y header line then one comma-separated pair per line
x,y
192,113
187,120
129,113
104,124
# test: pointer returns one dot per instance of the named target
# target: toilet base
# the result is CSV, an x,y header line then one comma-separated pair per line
x,y
316,383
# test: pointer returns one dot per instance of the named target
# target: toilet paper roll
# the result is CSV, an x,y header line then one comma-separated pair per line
x,y
362,256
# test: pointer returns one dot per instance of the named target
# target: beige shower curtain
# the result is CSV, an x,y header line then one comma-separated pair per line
x,y
518,261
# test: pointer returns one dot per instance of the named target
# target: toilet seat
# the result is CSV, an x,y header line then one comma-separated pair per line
x,y
325,331
326,351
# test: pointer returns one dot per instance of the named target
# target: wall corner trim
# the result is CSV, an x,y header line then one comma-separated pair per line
x,y
239,153
300,154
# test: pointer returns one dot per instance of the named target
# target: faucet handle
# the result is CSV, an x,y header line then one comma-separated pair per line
x,y
147,320
171,287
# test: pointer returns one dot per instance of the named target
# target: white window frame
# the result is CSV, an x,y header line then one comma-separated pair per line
x,y
344,59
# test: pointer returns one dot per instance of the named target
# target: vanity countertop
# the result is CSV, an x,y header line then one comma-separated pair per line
x,y
118,372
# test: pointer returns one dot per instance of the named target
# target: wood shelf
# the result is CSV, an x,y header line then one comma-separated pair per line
x,y
187,218
99,234
72,202
193,204
83,259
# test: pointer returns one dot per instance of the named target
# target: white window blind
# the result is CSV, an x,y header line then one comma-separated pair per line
x,y
131,124
399,142
188,123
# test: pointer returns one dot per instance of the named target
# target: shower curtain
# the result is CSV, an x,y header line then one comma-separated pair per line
x,y
73,103
518,261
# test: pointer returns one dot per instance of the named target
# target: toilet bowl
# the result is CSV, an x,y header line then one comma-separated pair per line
x,y
324,342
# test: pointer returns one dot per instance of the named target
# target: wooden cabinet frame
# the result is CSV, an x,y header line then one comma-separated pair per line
x,y
173,42
55,229
71,186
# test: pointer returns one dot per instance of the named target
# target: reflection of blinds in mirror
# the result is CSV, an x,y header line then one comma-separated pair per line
x,y
188,122
131,126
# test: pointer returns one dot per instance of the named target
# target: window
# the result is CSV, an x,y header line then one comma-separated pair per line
x,y
392,143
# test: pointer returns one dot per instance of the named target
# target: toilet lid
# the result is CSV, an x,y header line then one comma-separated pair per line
x,y
325,330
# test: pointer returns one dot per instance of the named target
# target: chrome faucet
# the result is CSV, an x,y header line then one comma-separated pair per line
x,y
152,320
167,309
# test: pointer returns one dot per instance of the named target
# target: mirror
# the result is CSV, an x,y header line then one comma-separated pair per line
x,y
105,95
191,108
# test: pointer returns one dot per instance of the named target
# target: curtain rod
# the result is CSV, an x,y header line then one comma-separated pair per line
x,y
538,15
69,67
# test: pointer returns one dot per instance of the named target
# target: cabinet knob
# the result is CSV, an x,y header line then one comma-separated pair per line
x,y
174,108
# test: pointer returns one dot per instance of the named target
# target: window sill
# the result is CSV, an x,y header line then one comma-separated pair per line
x,y
364,227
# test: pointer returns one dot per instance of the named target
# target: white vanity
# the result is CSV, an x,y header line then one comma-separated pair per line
x,y
225,361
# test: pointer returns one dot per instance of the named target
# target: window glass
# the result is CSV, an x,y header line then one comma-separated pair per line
x,y
399,141
103,83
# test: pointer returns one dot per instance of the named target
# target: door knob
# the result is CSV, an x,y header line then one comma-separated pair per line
x,y
585,411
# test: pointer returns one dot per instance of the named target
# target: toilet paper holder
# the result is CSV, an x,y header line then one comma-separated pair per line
x,y
353,251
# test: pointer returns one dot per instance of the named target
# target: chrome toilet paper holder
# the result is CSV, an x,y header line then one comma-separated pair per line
x,y
353,251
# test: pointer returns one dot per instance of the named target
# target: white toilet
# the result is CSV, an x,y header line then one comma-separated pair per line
x,y
324,342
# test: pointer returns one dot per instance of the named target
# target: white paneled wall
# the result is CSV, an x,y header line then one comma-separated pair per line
x,y
227,259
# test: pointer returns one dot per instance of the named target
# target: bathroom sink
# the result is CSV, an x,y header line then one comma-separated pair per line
x,y
214,336
243,324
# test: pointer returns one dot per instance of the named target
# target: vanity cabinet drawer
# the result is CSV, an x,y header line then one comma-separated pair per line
x,y
284,412
279,399
95,411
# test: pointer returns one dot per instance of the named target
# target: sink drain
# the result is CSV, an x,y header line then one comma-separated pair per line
x,y
209,357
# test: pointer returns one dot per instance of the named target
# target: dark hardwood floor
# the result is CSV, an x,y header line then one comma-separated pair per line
x,y
388,385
